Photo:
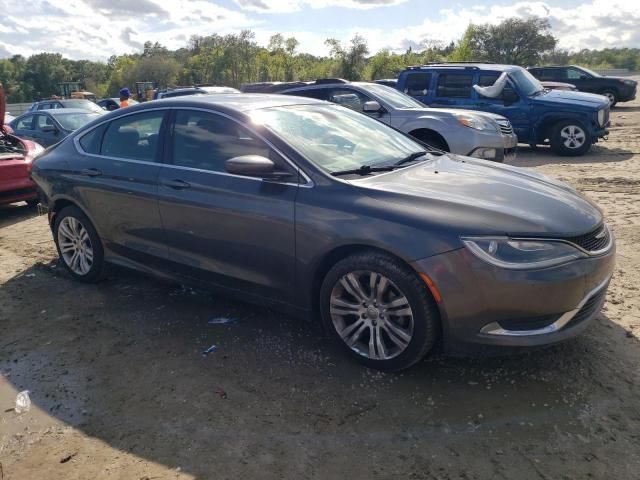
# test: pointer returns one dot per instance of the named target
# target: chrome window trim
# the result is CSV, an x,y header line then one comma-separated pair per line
x,y
76,142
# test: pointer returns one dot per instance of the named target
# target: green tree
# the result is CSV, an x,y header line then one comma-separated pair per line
x,y
43,72
464,49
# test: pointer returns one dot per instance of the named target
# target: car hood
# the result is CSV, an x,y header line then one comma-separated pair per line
x,y
445,112
577,99
480,197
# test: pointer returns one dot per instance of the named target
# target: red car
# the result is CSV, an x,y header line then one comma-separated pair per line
x,y
16,156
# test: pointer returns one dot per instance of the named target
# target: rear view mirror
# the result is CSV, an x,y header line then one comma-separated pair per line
x,y
371,107
254,166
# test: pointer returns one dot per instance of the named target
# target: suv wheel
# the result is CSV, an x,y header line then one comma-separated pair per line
x,y
611,95
78,244
379,311
570,138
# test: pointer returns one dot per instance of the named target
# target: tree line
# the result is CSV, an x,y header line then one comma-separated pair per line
x,y
234,59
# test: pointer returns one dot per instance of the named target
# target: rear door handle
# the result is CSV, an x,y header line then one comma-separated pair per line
x,y
176,184
91,172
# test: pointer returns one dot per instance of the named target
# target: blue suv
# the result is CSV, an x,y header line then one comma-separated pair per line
x,y
569,121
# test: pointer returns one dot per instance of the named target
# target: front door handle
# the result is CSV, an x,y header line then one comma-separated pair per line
x,y
91,172
176,184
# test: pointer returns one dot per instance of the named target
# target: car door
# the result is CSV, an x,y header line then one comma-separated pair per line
x,y
117,181
46,132
226,229
579,78
453,90
25,127
355,100
516,111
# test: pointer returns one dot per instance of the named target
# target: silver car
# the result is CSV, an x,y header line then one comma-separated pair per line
x,y
465,132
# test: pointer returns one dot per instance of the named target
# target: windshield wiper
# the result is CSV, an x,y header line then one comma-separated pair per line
x,y
364,170
412,157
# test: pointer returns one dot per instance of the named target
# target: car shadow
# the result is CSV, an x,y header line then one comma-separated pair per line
x,y
17,212
544,155
123,362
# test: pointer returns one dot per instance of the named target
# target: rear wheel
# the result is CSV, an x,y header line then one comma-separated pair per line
x,y
78,244
611,96
379,311
570,138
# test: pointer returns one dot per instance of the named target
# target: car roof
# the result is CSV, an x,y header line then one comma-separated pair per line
x,y
229,101
65,111
466,66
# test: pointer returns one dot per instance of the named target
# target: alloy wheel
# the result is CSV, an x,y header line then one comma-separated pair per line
x,y
371,315
573,136
75,245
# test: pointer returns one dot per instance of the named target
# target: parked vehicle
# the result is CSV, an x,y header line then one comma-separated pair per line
x,y
616,89
48,127
559,86
480,135
316,209
111,104
214,89
56,103
16,157
569,121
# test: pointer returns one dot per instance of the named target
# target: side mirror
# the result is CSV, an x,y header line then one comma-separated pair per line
x,y
254,166
371,107
49,129
583,77
509,96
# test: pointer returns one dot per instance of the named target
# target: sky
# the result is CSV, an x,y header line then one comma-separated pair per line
x,y
97,29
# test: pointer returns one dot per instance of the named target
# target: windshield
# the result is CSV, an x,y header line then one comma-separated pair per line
x,y
73,121
393,97
335,138
527,83
590,72
84,105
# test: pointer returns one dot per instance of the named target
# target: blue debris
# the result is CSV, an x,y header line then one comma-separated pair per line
x,y
209,350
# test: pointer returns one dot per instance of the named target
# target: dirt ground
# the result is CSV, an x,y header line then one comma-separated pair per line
x,y
121,389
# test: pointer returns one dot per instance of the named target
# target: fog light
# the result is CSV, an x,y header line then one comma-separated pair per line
x,y
487,153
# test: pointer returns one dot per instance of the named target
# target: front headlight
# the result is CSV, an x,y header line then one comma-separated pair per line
x,y
513,254
629,82
477,123
601,117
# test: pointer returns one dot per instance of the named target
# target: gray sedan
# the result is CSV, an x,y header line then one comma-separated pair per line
x,y
47,127
329,214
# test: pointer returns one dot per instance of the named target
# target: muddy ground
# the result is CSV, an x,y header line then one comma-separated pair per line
x,y
121,390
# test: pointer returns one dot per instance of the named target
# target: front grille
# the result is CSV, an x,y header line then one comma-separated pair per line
x,y
593,305
505,127
593,241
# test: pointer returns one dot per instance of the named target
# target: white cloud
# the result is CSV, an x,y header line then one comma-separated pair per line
x,y
285,6
97,29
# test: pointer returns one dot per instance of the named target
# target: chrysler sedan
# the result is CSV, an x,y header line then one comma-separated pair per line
x,y
323,212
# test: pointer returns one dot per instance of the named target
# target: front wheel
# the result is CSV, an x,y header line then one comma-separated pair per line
x,y
379,311
570,139
78,244
611,96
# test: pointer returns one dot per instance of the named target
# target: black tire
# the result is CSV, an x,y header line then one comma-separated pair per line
x,y
97,268
561,145
32,203
426,321
613,97
433,140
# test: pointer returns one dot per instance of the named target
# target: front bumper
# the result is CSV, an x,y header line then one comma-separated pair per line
x,y
502,149
486,305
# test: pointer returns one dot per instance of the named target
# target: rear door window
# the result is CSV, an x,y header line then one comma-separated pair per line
x,y
454,85
134,137
417,84
25,123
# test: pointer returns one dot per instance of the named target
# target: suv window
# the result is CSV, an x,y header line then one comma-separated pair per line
x,y
456,86
575,74
488,79
417,84
206,141
25,123
319,93
134,136
550,74
348,98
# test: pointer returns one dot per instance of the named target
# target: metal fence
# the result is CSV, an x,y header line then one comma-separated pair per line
x,y
16,109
